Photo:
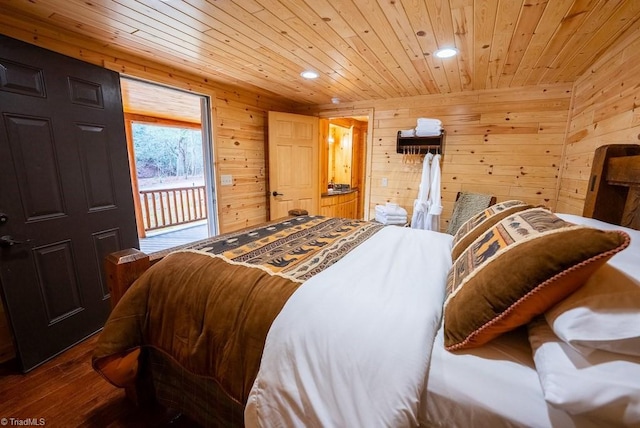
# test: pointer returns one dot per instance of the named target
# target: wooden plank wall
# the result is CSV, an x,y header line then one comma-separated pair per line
x,y
505,142
605,111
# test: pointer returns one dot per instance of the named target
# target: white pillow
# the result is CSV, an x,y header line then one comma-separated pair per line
x,y
604,313
603,385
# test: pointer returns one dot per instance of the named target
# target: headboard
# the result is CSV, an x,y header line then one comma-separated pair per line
x,y
614,185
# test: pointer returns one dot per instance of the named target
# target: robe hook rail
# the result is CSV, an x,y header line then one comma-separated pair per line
x,y
412,154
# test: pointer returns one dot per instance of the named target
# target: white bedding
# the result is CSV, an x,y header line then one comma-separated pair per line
x,y
360,345
493,386
333,358
497,385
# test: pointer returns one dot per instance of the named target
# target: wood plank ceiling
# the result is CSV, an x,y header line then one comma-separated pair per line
x,y
362,49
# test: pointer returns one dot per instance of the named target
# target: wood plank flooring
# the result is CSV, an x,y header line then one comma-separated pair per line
x,y
67,392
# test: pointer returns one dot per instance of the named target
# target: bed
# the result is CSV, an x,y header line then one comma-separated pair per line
x,y
523,318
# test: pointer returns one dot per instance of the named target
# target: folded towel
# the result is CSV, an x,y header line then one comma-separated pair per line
x,y
425,121
408,133
386,220
392,217
391,209
434,133
428,128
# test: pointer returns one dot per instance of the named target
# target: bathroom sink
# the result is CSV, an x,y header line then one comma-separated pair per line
x,y
345,188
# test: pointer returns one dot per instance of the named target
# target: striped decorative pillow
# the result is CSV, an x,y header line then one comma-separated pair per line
x,y
518,269
481,222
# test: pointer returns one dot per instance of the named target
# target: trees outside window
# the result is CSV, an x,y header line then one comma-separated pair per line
x,y
167,154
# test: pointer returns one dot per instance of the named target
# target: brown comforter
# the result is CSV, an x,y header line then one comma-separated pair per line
x,y
209,315
189,333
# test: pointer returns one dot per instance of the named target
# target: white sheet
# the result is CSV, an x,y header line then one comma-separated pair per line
x,y
603,386
493,386
351,347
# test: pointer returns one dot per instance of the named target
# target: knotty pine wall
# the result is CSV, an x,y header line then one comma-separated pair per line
x,y
605,111
506,142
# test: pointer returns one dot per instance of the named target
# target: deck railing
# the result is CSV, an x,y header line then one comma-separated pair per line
x,y
169,207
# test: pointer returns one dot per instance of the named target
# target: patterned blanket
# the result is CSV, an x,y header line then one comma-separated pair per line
x,y
205,312
297,247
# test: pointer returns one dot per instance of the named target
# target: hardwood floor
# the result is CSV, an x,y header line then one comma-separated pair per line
x,y
67,392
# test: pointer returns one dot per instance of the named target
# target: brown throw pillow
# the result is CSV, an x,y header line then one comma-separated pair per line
x,y
518,269
481,222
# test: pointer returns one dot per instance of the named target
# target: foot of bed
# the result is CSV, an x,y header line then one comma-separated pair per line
x,y
122,268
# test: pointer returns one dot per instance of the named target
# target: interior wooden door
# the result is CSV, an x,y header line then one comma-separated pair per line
x,y
66,198
294,163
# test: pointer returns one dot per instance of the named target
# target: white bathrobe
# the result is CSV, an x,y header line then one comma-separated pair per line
x,y
421,205
435,201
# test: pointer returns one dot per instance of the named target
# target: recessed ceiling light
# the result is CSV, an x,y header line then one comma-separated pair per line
x,y
446,52
309,74
335,100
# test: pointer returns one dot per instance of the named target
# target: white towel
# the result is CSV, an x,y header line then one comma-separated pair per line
x,y
428,128
428,133
385,220
408,133
402,218
426,121
391,209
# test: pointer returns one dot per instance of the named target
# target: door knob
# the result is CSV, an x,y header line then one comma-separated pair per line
x,y
3,218
277,194
6,241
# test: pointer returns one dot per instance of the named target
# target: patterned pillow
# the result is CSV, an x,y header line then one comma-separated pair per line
x,y
518,269
481,222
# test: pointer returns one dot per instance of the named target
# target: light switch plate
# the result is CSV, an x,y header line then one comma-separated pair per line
x,y
385,182
226,180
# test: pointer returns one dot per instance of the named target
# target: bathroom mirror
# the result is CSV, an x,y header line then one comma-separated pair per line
x,y
340,141
343,154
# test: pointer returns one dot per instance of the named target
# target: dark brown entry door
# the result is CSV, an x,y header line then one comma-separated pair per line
x,y
65,196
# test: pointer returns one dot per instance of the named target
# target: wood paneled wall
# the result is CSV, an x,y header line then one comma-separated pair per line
x,y
239,117
604,111
505,142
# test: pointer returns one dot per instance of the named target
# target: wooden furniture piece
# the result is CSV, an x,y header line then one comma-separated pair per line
x,y
340,205
122,268
420,145
614,186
